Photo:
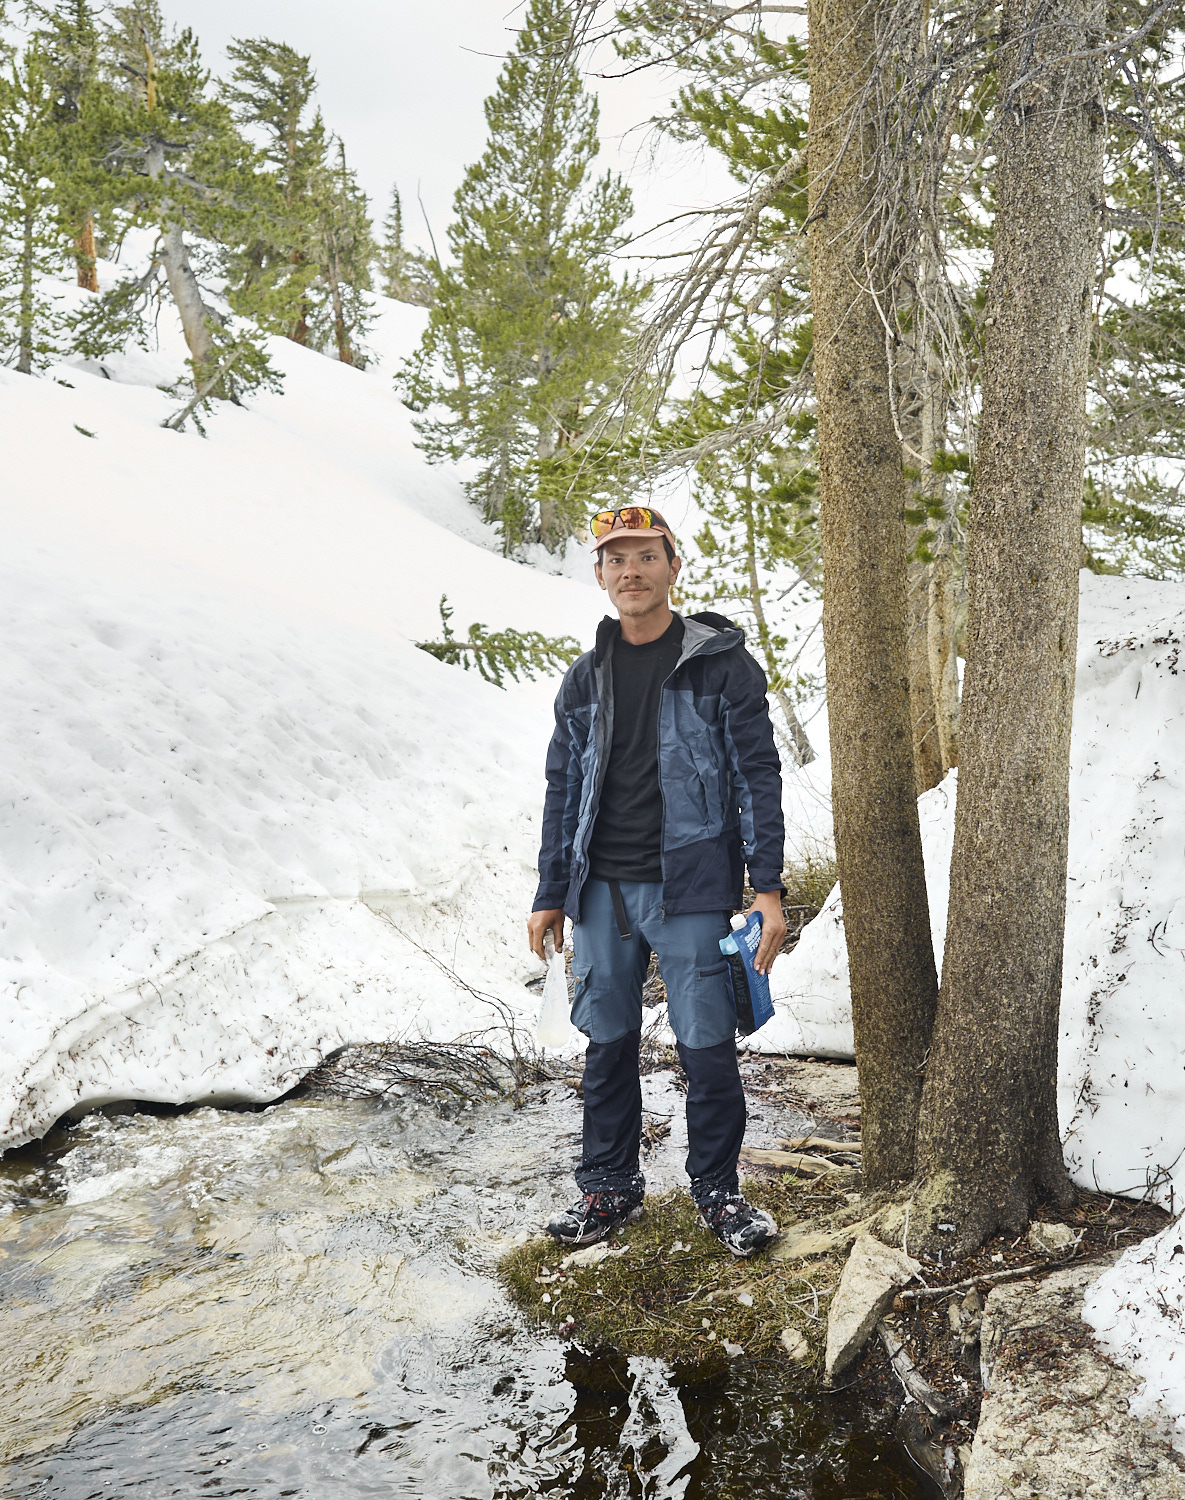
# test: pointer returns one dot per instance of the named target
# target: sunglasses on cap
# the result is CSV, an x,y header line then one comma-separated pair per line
x,y
630,518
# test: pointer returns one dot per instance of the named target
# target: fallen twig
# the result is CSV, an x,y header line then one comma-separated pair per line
x,y
813,1166
915,1384
821,1143
962,1286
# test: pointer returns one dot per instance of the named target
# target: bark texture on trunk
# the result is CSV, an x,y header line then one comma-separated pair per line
x,y
862,493
941,635
88,276
549,516
988,1140
927,748
198,319
24,358
196,316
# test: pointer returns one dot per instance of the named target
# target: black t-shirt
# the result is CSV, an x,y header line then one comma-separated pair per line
x,y
627,836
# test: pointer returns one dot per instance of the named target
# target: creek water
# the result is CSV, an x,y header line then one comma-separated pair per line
x,y
301,1301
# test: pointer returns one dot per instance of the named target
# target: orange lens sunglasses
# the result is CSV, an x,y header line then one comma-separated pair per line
x,y
632,518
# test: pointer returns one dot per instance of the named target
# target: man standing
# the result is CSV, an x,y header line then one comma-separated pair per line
x,y
663,782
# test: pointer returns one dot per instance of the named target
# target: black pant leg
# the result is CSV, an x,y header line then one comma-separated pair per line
x,y
612,1118
715,1116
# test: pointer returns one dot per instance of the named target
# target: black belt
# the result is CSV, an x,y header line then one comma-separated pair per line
x,y
623,922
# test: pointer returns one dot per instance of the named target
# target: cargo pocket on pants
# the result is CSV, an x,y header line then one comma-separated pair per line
x,y
581,1011
714,1002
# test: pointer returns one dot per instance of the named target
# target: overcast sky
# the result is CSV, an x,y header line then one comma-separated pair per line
x,y
402,83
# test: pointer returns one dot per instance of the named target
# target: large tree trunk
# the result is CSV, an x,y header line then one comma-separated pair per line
x,y
862,494
196,315
988,1139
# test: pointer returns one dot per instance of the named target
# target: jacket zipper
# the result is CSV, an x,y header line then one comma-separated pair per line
x,y
662,837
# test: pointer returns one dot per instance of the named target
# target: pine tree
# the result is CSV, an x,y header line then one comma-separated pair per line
x,y
1133,514
529,325
760,501
406,274
68,34
343,250
306,270
175,161
271,90
30,323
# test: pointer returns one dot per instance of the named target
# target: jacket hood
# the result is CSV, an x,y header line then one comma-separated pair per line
x,y
716,622
710,623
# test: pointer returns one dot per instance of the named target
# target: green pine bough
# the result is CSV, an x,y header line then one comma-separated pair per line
x,y
499,653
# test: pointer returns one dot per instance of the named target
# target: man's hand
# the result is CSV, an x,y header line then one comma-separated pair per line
x,y
538,923
773,929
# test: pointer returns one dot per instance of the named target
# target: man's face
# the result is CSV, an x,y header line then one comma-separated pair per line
x,y
634,572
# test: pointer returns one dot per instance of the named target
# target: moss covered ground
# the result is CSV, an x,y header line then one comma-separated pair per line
x,y
678,1294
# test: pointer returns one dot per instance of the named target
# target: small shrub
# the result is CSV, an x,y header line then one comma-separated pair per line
x,y
808,877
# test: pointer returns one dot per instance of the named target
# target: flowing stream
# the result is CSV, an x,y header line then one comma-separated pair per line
x,y
301,1301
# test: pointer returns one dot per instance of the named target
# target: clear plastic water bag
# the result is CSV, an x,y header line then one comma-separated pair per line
x,y
555,1022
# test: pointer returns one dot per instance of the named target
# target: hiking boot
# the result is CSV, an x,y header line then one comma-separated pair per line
x,y
734,1221
592,1217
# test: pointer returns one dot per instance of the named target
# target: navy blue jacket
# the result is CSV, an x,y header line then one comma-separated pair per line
x,y
718,768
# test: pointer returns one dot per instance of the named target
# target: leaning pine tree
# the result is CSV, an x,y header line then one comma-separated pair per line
x,y
175,161
529,325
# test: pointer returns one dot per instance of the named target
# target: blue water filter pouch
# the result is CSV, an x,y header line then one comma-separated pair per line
x,y
750,990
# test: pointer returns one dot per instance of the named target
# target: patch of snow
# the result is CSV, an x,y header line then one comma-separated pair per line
x,y
1137,1309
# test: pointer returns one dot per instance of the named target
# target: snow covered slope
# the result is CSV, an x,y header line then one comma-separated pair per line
x,y
235,797
1122,1055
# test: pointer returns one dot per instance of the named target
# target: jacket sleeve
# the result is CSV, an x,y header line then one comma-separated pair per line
x,y
756,770
555,850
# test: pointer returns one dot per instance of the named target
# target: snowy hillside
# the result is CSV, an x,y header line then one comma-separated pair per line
x,y
1122,1055
227,770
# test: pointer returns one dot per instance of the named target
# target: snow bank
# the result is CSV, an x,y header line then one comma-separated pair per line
x,y
1137,1309
1122,1058
242,818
